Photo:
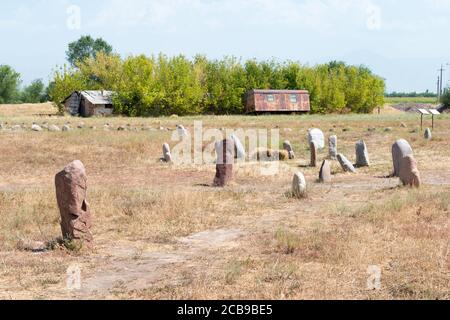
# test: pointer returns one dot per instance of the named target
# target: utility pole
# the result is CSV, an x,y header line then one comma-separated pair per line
x,y
438,88
441,79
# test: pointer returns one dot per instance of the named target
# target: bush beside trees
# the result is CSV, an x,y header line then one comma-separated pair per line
x,y
161,85
445,99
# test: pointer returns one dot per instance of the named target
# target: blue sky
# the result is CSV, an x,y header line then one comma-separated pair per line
x,y
403,41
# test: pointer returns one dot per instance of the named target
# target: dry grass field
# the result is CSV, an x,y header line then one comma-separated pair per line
x,y
162,232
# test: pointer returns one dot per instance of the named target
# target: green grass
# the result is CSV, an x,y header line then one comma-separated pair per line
x,y
411,100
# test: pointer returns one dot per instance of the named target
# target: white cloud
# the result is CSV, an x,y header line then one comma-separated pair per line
x,y
320,14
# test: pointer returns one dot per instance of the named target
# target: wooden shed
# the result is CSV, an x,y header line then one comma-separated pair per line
x,y
286,101
89,103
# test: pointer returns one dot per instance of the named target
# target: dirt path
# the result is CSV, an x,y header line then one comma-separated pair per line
x,y
136,270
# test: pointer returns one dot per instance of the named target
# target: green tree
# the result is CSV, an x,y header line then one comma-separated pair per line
x,y
102,72
136,91
65,81
86,47
225,86
9,84
34,93
445,99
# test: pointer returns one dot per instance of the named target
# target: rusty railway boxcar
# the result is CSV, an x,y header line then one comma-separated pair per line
x,y
280,101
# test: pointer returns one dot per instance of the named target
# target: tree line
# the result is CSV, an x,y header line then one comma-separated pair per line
x,y
162,85
426,94
12,92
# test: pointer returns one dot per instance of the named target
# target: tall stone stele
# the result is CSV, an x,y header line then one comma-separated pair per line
x,y
167,155
299,186
400,149
362,154
317,136
409,173
313,149
428,135
71,194
325,172
332,147
225,159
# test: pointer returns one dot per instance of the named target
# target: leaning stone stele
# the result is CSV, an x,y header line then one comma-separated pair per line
x,y
409,174
400,149
224,165
299,189
71,194
346,165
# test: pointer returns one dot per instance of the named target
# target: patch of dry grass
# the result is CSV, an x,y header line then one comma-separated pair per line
x,y
314,248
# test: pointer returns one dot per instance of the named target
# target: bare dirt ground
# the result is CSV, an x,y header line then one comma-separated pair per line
x,y
162,233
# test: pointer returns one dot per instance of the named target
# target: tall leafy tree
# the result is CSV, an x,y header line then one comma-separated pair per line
x,y
9,84
34,93
86,47
65,81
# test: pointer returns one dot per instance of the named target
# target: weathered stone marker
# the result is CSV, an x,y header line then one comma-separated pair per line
x,y
299,186
167,156
346,165
400,149
427,135
54,128
182,132
288,147
36,128
362,154
313,149
239,148
317,136
325,172
224,165
71,193
332,147
409,174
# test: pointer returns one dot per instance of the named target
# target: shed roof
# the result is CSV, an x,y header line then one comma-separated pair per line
x,y
98,97
263,91
94,96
